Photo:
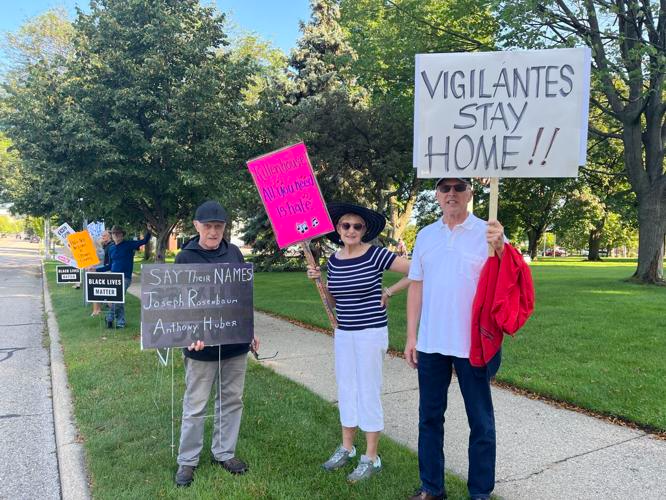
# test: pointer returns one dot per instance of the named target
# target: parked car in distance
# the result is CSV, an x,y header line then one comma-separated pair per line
x,y
34,239
558,252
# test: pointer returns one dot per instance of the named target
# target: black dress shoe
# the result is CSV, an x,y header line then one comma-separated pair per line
x,y
233,465
424,495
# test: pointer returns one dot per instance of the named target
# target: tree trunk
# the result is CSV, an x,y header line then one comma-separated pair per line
x,y
148,250
162,237
651,228
399,222
594,241
533,238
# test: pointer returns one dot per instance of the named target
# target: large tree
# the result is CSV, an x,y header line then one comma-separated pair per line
x,y
33,171
156,106
628,42
386,35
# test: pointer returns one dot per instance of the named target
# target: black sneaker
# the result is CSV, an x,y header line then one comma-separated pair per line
x,y
185,475
109,324
233,465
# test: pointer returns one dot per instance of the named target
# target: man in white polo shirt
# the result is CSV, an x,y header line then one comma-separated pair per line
x,y
446,264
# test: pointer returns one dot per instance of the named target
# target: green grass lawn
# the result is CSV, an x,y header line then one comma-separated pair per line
x,y
594,340
122,403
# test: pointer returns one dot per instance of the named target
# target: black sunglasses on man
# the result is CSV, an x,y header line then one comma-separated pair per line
x,y
461,187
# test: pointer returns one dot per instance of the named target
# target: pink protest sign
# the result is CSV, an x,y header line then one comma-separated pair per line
x,y
291,195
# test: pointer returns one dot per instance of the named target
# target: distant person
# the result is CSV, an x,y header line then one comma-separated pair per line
x,y
447,260
102,254
361,338
121,260
401,250
207,365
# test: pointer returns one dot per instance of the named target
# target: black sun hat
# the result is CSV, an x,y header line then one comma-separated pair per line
x,y
374,221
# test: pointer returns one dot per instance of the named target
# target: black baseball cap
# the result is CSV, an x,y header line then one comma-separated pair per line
x,y
210,211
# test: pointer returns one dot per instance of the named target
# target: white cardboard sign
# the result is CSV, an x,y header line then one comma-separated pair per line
x,y
501,114
62,231
95,229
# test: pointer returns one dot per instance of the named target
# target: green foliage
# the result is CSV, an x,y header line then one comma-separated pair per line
x,y
427,208
34,178
141,125
530,206
386,35
34,225
409,237
628,84
10,225
322,57
10,178
158,106
47,37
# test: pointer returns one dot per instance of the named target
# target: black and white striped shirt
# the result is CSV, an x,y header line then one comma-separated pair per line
x,y
356,285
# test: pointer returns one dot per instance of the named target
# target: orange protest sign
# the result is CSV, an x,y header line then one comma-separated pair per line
x,y
83,249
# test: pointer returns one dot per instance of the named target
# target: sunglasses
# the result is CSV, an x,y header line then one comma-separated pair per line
x,y
346,226
259,358
445,188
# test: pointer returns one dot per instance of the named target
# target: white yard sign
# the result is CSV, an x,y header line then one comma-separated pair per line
x,y
501,114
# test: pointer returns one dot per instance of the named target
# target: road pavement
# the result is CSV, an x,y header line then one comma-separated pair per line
x,y
28,461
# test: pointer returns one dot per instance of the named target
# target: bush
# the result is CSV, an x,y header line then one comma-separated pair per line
x,y
276,263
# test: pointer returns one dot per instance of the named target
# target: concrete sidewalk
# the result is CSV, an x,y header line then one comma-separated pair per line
x,y
544,452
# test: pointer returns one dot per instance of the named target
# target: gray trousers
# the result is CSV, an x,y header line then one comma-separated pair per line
x,y
200,377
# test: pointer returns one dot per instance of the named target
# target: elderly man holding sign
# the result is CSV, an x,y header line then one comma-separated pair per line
x,y
499,114
205,366
446,264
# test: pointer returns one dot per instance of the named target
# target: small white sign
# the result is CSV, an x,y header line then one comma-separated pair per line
x,y
501,114
95,229
66,260
62,231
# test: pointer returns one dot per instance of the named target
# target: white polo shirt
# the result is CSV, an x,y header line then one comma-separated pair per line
x,y
449,263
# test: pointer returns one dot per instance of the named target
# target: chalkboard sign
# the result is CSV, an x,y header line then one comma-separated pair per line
x,y
183,303
105,287
67,274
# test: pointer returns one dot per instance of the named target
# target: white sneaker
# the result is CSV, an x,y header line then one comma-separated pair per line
x,y
365,469
340,458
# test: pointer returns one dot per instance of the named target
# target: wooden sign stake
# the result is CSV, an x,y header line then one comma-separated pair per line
x,y
492,206
305,245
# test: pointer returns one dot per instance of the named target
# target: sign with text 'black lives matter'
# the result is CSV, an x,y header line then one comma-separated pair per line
x,y
183,303
105,287
67,274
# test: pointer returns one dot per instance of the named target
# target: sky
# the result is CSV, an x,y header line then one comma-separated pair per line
x,y
274,20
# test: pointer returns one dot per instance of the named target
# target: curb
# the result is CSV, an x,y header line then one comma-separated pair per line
x,y
71,455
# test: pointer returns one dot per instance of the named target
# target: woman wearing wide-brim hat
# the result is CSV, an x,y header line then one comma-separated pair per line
x,y
361,338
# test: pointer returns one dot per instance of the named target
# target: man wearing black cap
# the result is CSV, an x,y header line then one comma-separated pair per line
x,y
204,366
446,265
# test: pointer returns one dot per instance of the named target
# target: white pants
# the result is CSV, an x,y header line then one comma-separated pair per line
x,y
359,356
